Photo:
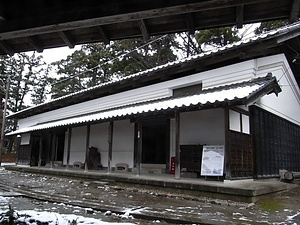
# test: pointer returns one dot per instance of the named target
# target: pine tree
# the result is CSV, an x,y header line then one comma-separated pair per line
x,y
217,37
270,25
40,89
98,63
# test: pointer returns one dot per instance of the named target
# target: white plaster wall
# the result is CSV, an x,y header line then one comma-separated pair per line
x,y
287,104
225,75
95,105
99,139
78,145
202,127
123,143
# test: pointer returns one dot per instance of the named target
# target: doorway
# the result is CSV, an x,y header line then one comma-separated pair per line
x,y
35,150
60,146
155,142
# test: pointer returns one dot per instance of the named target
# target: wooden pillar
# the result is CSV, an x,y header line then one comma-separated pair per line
x,y
69,147
139,147
40,151
53,149
110,143
227,150
177,145
88,132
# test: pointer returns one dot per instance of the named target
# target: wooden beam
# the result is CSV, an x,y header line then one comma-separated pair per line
x,y
294,15
190,23
103,34
36,44
67,39
239,16
127,17
289,36
144,30
6,48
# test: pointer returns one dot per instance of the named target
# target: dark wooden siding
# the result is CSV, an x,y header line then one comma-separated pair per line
x,y
190,157
241,155
276,143
24,155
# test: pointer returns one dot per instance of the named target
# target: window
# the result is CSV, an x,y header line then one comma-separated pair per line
x,y
239,122
193,89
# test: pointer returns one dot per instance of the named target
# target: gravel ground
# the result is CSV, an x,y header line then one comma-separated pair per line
x,y
153,203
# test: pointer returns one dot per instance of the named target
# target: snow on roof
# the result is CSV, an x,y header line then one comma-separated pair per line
x,y
269,34
223,94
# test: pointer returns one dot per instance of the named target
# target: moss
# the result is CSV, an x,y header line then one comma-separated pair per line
x,y
269,204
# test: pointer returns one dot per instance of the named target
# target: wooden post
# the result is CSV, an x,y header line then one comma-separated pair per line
x,y
53,149
69,147
139,147
177,145
110,143
40,151
227,150
88,131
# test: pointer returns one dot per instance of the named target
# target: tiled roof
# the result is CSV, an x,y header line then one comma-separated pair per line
x,y
234,94
268,35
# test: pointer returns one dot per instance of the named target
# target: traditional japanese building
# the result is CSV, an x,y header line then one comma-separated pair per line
x,y
233,113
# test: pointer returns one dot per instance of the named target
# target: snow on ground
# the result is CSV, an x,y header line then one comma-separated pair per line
x,y
32,217
36,216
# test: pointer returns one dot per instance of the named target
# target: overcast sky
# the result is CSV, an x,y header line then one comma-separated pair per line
x,y
56,54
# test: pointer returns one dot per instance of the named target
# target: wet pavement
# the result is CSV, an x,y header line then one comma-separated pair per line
x,y
106,198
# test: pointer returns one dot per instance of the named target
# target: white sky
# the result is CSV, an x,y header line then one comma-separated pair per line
x,y
56,54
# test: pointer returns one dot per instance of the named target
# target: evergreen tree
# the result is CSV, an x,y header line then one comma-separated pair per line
x,y
97,63
217,37
40,88
84,68
270,25
22,71
189,45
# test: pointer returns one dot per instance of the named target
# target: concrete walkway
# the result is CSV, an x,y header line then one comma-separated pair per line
x,y
242,190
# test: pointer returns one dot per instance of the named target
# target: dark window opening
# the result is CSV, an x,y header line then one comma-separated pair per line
x,y
60,147
193,89
155,141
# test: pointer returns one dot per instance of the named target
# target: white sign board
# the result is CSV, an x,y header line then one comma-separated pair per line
x,y
212,160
